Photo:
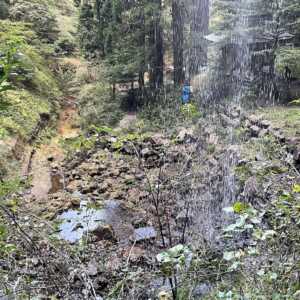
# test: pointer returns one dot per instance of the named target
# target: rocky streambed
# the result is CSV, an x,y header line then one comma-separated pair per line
x,y
125,198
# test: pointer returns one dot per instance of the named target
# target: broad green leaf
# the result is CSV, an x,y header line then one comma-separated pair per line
x,y
229,255
296,188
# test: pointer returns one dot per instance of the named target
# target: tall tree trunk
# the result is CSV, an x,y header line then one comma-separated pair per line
x,y
156,59
178,40
199,28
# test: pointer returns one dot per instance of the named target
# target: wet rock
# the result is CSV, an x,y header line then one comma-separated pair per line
x,y
227,121
118,195
163,295
144,233
133,195
159,139
74,185
186,135
278,135
92,269
265,124
263,133
201,290
296,155
134,254
254,131
89,188
76,201
104,232
128,149
115,173
254,119
146,152
251,188
103,187
92,168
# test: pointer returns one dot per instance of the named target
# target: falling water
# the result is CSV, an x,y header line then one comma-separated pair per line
x,y
209,216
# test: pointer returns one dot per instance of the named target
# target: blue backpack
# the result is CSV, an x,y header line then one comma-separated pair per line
x,y
186,94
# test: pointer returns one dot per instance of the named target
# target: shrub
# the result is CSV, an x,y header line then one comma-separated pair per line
x,y
288,57
97,106
44,23
64,46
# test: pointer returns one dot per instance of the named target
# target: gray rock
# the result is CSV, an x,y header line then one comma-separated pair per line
x,y
263,133
254,119
265,124
92,269
254,131
144,233
186,136
201,290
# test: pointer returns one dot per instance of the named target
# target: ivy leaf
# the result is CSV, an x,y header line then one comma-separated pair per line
x,y
296,188
234,266
261,272
229,255
267,234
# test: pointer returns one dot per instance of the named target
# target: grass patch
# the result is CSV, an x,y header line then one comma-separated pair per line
x,y
286,118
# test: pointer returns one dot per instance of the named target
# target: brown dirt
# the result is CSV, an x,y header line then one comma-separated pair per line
x,y
40,170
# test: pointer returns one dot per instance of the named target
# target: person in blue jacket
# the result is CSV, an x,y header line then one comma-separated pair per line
x,y
186,92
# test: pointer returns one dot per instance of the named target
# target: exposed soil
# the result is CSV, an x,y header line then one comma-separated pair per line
x,y
40,164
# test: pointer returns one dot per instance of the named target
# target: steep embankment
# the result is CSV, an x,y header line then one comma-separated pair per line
x,y
41,108
32,102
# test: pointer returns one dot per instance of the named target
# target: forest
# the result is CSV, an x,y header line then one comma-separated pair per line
x,y
150,149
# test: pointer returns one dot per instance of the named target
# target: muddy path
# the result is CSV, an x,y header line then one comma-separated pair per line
x,y
39,164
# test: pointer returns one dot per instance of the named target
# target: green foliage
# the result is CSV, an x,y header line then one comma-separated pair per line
x,y
20,117
97,106
272,233
190,111
240,207
9,186
175,259
38,13
288,57
80,143
28,73
8,62
295,102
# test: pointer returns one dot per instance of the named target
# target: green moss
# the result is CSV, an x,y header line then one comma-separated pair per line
x,y
243,172
34,93
23,112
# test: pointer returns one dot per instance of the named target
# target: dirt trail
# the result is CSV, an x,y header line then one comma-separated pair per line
x,y
40,165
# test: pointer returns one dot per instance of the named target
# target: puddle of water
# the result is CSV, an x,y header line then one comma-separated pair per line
x,y
75,223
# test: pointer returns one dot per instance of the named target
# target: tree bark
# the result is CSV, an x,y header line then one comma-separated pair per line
x,y
199,28
156,74
178,40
